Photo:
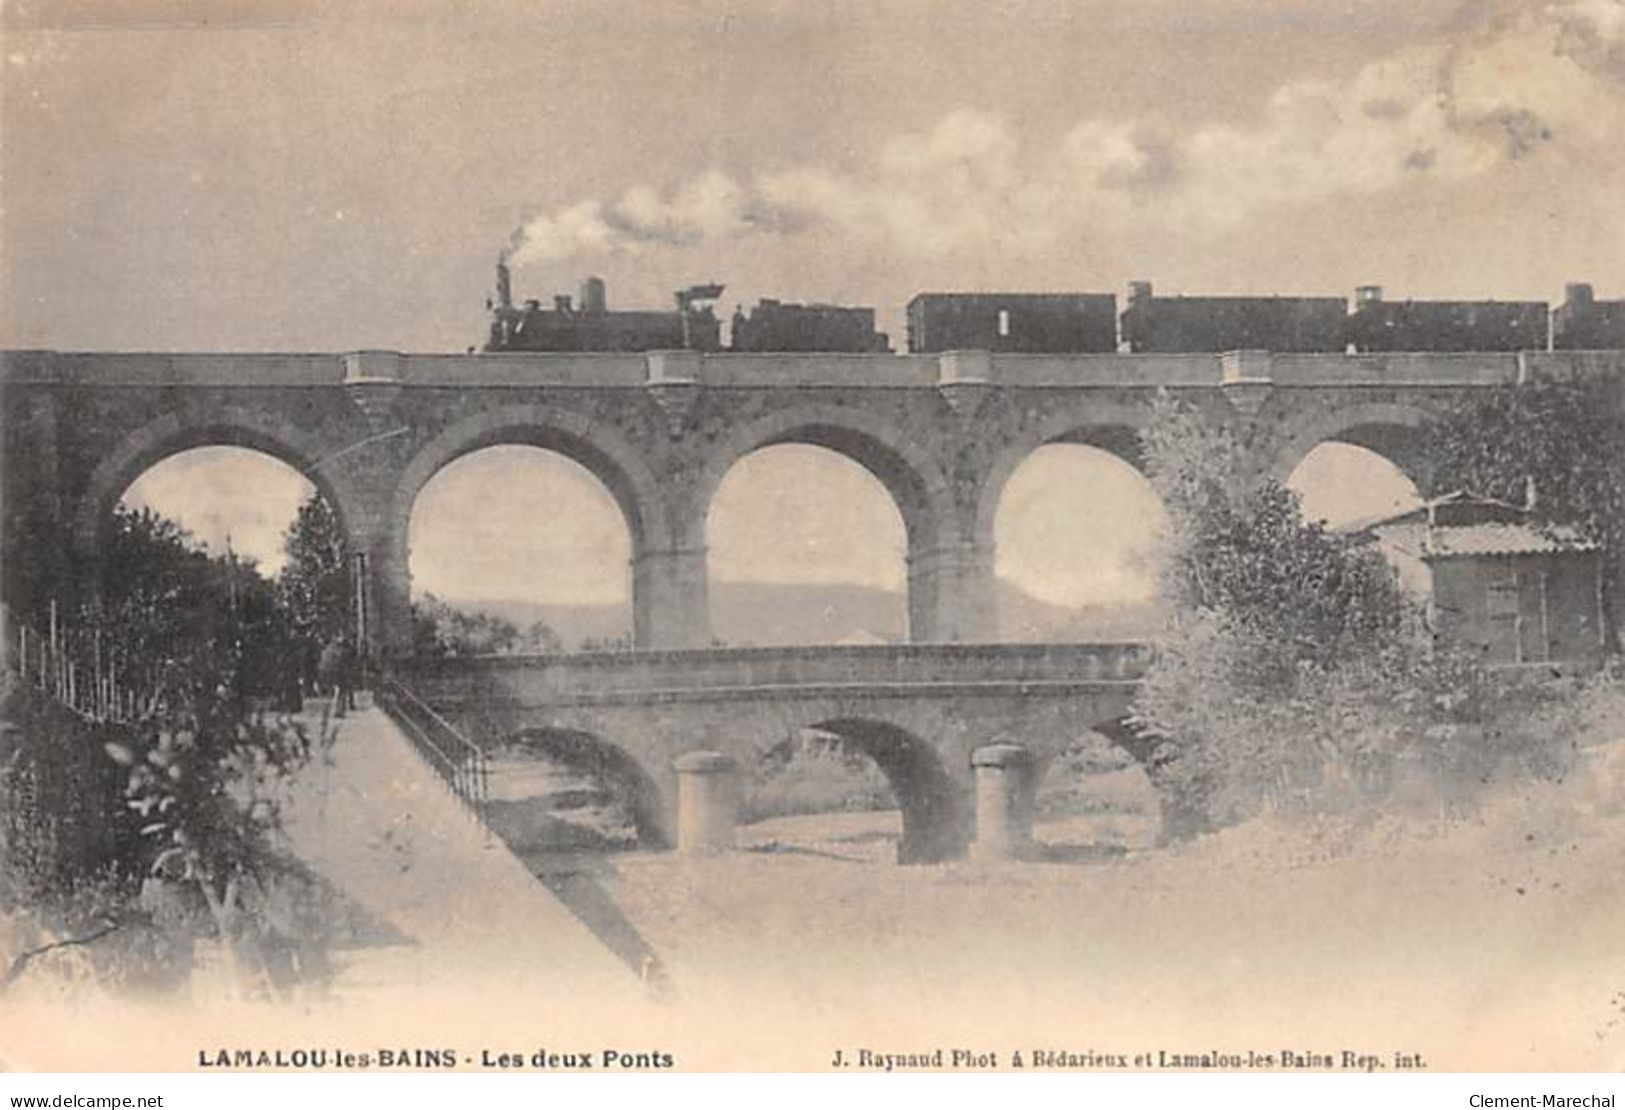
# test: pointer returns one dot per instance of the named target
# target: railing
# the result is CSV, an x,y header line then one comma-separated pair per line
x,y
459,761
71,666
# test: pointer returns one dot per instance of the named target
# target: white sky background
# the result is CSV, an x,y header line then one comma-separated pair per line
x,y
315,175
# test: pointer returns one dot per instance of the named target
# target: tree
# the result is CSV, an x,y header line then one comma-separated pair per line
x,y
1243,554
440,628
1278,623
315,582
1558,446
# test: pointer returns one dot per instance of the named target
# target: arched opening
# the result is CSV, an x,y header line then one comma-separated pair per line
x,y
856,789
228,499
1342,483
1095,800
222,559
561,792
1077,528
805,546
518,549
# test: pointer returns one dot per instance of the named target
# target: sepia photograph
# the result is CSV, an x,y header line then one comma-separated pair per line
x,y
543,537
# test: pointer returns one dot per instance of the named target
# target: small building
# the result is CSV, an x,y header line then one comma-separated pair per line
x,y
1023,323
777,326
1583,323
1153,324
1381,325
1487,579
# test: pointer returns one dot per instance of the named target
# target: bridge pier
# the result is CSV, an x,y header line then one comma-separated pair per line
x,y
1004,802
951,595
670,602
708,797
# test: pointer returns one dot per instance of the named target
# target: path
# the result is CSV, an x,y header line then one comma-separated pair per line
x,y
380,826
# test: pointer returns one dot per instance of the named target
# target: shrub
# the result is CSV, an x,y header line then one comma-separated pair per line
x,y
814,774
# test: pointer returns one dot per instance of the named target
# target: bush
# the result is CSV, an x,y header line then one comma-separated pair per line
x,y
815,774
1292,684
62,818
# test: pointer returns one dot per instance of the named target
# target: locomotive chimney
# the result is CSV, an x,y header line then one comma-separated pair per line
x,y
504,283
1367,294
561,303
594,299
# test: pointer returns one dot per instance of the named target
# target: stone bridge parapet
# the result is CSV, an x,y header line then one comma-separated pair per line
x,y
948,669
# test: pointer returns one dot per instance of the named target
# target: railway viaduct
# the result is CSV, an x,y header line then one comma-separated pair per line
x,y
943,433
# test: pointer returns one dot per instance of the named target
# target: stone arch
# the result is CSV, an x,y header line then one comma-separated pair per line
x,y
918,486
230,426
601,449
1111,426
1391,430
1120,749
936,811
609,764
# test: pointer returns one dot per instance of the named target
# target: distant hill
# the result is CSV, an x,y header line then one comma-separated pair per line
x,y
747,613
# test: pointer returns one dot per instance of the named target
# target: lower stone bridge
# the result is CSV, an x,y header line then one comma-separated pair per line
x,y
919,711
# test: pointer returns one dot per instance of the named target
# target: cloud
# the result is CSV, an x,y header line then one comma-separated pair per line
x,y
1509,81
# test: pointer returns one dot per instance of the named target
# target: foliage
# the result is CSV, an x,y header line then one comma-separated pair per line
x,y
314,586
1243,556
1563,441
439,628
814,773
207,781
1286,637
60,801
205,771
197,780
168,607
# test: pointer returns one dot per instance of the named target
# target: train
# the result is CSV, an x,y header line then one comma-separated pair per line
x,y
1064,323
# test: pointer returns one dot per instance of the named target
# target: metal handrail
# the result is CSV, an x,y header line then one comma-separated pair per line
x,y
466,769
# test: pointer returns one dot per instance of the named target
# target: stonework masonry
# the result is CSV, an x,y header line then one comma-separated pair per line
x,y
661,430
943,433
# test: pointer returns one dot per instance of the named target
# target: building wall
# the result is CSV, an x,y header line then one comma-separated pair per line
x,y
1520,609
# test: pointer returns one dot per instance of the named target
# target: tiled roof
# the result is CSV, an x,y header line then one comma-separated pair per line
x,y
1501,539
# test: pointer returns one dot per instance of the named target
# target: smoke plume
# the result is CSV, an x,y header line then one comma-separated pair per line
x,y
1508,81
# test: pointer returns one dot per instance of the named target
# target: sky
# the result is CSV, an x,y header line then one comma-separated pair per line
x,y
315,175
1075,527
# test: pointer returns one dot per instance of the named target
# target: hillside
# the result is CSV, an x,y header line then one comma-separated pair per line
x,y
745,613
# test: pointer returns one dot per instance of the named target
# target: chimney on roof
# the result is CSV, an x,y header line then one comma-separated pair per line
x,y
561,304
1367,294
1578,293
1139,291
